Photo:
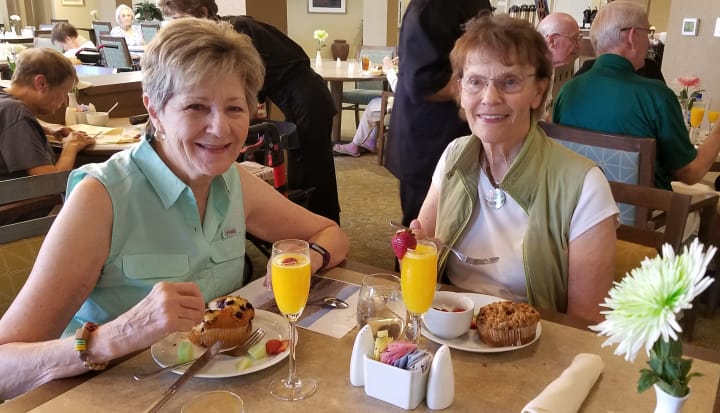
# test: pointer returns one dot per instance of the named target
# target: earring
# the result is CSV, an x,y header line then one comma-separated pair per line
x,y
158,136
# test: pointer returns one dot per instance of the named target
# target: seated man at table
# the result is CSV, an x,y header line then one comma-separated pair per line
x,y
39,86
66,35
611,97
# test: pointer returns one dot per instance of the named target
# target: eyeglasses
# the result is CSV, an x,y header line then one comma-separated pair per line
x,y
508,83
575,38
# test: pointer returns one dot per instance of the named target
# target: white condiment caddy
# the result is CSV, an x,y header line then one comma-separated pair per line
x,y
402,388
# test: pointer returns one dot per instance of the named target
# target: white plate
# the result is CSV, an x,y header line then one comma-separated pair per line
x,y
165,351
470,341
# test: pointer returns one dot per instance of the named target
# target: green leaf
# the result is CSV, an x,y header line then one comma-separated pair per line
x,y
647,379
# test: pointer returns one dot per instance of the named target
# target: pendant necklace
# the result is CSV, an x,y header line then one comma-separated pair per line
x,y
495,197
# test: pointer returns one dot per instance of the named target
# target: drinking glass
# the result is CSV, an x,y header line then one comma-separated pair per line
x,y
696,116
713,111
365,63
380,305
418,277
290,273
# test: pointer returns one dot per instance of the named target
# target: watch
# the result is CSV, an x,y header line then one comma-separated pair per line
x,y
322,251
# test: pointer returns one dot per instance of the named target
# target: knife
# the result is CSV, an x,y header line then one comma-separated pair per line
x,y
187,375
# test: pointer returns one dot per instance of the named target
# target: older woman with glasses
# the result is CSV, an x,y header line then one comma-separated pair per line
x,y
509,191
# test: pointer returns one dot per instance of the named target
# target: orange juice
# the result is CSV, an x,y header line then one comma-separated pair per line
x,y
418,276
291,282
713,116
696,116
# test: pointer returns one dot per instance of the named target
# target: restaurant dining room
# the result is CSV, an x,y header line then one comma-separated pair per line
x,y
359,205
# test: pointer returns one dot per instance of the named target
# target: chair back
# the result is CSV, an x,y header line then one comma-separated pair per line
x,y
149,30
20,241
626,159
100,28
56,21
116,52
46,42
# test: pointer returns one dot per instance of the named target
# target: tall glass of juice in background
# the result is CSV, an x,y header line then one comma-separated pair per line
x,y
418,277
290,272
696,116
713,111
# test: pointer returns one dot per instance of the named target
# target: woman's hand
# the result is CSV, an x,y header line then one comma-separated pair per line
x,y
77,141
416,229
169,307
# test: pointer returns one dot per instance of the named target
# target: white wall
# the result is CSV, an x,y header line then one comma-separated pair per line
x,y
231,7
375,22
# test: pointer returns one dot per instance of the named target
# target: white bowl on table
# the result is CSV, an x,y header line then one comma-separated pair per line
x,y
449,315
98,118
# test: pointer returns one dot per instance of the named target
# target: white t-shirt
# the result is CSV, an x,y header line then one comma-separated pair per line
x,y
72,52
507,227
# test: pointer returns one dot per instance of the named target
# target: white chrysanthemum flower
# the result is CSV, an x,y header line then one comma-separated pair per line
x,y
320,35
644,305
15,17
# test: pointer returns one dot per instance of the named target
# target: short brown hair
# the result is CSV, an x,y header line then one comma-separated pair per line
x,y
61,31
189,49
509,40
191,7
56,68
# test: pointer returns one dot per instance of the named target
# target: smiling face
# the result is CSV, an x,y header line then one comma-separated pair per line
x,y
204,126
126,18
493,115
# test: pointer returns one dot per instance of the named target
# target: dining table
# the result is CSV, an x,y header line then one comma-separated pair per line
x,y
336,73
483,381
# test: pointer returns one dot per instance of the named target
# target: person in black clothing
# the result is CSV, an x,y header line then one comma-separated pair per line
x,y
425,116
651,70
298,91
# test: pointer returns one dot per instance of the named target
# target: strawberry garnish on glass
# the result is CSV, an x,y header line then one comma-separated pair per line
x,y
402,241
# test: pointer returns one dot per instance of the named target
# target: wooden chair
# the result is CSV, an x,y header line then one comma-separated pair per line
x,y
383,126
675,207
364,92
149,30
624,159
116,53
20,241
100,28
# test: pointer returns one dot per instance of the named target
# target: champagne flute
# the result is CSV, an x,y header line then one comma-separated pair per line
x,y
290,273
418,277
696,116
713,112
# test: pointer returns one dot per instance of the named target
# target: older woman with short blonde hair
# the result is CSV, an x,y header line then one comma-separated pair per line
x,y
124,17
168,219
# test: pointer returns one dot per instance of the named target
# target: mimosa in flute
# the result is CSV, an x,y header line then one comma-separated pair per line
x,y
418,277
290,272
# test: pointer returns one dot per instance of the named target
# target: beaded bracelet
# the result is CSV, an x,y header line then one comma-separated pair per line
x,y
82,335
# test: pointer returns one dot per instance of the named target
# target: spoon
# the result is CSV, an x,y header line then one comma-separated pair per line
x,y
113,107
332,302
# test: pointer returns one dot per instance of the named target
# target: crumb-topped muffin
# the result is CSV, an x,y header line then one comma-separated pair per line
x,y
505,323
227,318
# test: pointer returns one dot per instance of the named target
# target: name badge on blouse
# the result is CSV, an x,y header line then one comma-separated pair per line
x,y
229,233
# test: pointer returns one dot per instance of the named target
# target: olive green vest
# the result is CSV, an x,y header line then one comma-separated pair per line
x,y
546,180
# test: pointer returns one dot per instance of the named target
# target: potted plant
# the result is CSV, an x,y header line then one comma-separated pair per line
x,y
147,11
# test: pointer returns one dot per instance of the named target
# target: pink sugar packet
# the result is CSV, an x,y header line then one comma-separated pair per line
x,y
396,350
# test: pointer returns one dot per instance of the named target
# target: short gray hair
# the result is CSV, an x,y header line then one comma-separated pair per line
x,y
56,68
187,50
605,32
120,9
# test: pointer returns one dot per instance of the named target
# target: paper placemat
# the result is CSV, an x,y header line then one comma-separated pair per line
x,y
316,317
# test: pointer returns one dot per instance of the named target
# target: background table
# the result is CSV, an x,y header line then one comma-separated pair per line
x,y
335,75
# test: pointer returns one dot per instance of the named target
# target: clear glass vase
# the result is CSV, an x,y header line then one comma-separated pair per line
x,y
685,112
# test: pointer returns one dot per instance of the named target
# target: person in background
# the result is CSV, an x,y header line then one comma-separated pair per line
x,y
124,17
425,117
66,35
39,86
168,219
298,91
562,36
509,191
366,133
611,97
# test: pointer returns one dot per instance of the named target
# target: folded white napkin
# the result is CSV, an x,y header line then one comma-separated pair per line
x,y
567,393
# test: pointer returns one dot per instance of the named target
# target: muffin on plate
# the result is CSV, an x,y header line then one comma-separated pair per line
x,y
505,323
228,318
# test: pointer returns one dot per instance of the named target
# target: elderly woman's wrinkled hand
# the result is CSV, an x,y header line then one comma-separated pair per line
x,y
169,307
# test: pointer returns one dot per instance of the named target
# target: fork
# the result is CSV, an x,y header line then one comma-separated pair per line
x,y
238,350
462,257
